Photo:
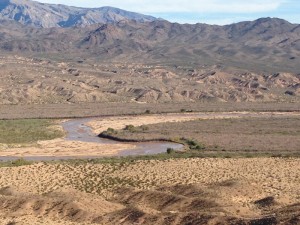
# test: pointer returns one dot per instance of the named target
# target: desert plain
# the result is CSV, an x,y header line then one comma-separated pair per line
x,y
204,186
113,117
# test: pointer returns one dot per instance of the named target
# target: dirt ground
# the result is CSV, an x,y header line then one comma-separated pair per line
x,y
200,191
61,147
117,109
220,132
101,124
173,191
35,85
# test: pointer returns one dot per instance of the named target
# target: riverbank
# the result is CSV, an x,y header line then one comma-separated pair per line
x,y
230,134
247,133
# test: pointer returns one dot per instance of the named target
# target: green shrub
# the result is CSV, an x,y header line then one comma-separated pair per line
x,y
170,150
110,131
194,145
130,128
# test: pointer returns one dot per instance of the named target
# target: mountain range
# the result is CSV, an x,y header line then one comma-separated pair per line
x,y
109,33
265,44
107,54
43,15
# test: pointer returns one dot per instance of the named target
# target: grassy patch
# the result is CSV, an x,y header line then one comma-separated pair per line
x,y
119,162
123,161
16,163
27,131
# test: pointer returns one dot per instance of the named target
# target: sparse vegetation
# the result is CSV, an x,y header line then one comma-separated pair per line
x,y
130,128
92,109
110,131
16,163
144,128
193,144
67,73
27,131
170,150
248,135
20,162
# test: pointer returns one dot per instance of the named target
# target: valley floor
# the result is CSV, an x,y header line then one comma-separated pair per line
x,y
164,189
264,132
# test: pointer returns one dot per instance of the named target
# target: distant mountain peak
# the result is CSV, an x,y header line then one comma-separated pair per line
x,y
45,15
271,20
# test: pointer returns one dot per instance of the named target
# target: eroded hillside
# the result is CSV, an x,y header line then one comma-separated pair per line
x,y
31,80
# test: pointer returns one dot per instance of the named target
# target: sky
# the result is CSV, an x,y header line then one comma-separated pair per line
x,y
219,12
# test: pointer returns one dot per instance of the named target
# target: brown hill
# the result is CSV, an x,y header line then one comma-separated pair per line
x,y
134,60
32,80
264,44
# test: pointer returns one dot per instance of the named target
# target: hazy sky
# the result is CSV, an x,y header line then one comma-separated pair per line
x,y
202,11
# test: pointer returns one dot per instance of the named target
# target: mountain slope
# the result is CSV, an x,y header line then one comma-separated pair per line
x,y
266,43
269,42
158,61
48,15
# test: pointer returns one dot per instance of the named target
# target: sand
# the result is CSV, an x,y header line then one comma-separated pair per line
x,y
101,124
234,184
64,148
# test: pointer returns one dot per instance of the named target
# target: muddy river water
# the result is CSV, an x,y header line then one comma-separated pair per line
x,y
78,131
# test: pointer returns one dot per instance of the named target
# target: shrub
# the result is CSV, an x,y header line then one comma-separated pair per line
x,y
130,128
170,150
147,111
194,145
110,131
144,127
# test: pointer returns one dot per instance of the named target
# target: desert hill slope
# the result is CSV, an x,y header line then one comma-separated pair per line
x,y
32,80
127,57
265,44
